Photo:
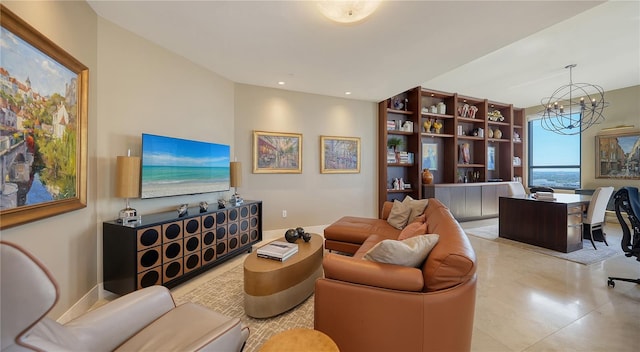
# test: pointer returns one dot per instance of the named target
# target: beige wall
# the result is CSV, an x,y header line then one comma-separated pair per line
x,y
310,198
67,243
624,109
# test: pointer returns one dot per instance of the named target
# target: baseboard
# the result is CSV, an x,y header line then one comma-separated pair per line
x,y
82,306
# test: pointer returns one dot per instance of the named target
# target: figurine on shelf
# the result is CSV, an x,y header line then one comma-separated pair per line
x,y
437,126
427,126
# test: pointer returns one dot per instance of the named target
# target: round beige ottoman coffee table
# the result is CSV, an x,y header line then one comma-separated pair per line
x,y
300,340
272,287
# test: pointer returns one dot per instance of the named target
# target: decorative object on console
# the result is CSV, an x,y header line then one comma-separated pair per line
x,y
221,204
204,206
580,114
128,185
235,176
183,210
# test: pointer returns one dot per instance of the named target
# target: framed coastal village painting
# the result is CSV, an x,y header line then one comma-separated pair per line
x,y
277,153
43,126
339,155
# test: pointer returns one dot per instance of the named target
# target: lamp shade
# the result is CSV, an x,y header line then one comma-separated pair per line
x,y
128,177
236,174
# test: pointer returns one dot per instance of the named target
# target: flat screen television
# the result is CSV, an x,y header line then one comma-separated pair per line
x,y
174,166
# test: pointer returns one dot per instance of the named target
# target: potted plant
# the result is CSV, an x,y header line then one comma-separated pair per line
x,y
394,143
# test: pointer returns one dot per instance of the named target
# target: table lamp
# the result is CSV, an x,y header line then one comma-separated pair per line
x,y
235,169
128,184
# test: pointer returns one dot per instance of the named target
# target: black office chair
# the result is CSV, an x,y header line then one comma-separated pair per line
x,y
627,200
533,190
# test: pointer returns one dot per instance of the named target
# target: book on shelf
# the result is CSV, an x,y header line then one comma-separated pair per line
x,y
277,250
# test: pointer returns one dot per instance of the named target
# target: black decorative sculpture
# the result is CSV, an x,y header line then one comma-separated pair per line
x,y
291,235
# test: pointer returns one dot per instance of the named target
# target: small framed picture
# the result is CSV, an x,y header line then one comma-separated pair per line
x,y
277,153
430,156
491,158
339,155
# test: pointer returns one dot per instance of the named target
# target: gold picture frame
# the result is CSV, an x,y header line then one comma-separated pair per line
x,y
339,155
277,153
45,141
618,156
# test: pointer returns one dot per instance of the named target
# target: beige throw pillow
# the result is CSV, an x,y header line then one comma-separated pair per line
x,y
410,252
399,215
417,207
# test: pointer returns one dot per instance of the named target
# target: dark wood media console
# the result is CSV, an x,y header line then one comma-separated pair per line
x,y
164,249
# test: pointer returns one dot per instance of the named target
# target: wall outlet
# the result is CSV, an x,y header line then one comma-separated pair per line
x,y
284,213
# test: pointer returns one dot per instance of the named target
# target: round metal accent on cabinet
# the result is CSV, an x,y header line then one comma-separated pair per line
x,y
254,235
233,214
149,278
244,238
254,222
233,243
149,258
172,269
208,238
254,209
192,226
221,217
221,248
172,250
208,254
233,229
221,233
172,231
149,237
244,212
244,225
192,261
208,221
192,243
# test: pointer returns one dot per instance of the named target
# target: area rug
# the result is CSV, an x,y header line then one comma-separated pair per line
x,y
225,294
587,255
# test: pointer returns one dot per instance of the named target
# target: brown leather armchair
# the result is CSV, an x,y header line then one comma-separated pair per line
x,y
147,319
369,306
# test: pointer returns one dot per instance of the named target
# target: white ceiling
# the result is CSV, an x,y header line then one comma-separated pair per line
x,y
508,51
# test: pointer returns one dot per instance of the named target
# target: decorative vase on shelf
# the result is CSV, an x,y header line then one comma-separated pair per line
x,y
497,133
490,133
442,108
427,177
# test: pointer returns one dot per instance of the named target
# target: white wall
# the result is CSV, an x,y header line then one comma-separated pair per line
x,y
310,198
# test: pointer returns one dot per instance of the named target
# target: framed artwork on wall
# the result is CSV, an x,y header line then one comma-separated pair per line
x,y
430,156
618,155
339,155
43,126
277,153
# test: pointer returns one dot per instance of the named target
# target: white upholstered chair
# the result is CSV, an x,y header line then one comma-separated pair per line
x,y
516,189
144,320
596,213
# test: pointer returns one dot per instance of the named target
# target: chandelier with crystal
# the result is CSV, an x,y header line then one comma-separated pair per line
x,y
573,108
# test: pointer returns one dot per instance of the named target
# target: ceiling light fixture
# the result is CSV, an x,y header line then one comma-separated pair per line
x,y
347,11
281,83
564,115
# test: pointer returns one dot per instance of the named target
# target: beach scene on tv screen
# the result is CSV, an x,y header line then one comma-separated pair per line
x,y
172,166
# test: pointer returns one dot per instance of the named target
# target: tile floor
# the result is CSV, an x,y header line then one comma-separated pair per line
x,y
533,302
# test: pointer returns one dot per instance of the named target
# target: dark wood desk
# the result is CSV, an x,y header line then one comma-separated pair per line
x,y
553,224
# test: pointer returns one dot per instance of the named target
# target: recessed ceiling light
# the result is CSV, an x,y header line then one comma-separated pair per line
x,y
281,83
347,93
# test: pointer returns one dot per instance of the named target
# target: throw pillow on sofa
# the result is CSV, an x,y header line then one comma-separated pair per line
x,y
417,207
399,215
410,252
415,228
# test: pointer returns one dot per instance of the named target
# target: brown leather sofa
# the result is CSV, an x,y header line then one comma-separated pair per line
x,y
368,306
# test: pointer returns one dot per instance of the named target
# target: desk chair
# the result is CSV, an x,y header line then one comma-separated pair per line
x,y
627,200
516,189
596,213
540,189
147,319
